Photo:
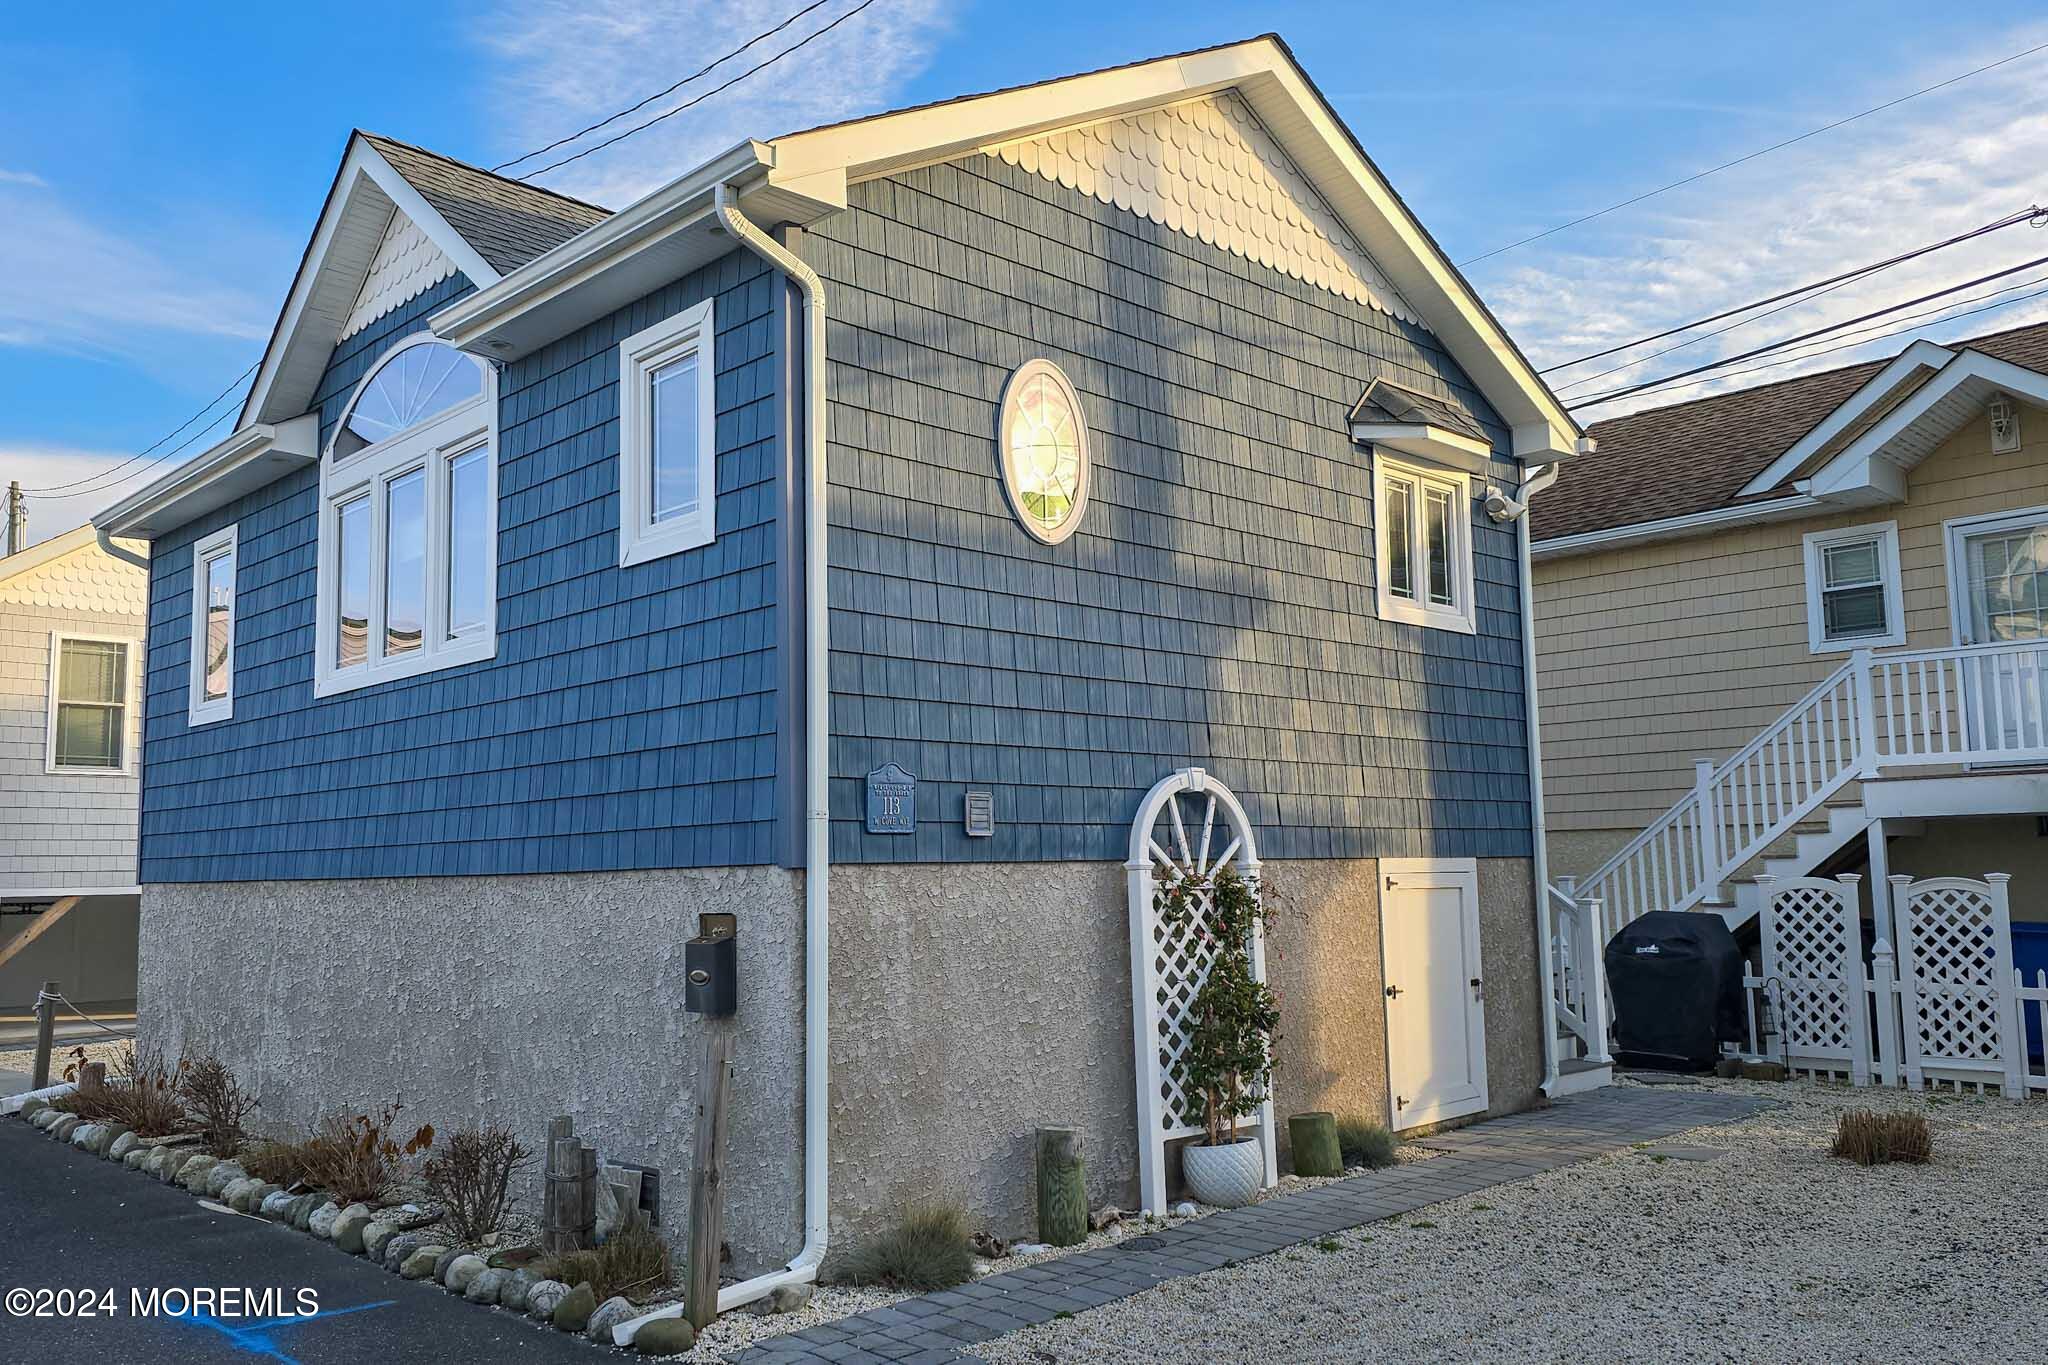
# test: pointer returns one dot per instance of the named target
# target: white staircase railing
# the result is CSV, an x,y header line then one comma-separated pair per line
x,y
1964,704
1578,975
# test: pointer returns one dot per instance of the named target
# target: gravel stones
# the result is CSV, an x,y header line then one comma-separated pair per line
x,y
572,1314
665,1337
543,1297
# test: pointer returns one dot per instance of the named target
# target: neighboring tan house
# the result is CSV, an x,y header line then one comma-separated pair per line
x,y
71,636
1139,441
1831,593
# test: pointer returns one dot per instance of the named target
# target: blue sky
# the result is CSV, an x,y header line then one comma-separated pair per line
x,y
160,167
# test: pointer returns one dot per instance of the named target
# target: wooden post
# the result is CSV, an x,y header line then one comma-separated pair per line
x,y
707,1169
46,1024
1312,1137
560,1219
586,1196
1062,1187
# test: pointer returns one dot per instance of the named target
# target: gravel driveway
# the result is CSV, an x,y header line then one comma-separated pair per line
x,y
1775,1251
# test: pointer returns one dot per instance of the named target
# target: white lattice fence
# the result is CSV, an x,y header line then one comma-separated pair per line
x,y
1188,825
1950,1007
1813,949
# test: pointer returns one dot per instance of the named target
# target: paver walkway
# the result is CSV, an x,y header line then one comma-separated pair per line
x,y
937,1327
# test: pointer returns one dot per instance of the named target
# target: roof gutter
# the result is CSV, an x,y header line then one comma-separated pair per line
x,y
803,1269
1534,482
1673,528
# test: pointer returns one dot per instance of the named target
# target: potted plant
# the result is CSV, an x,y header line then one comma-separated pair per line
x,y
1228,1060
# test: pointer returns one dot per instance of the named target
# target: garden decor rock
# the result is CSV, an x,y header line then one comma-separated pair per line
x,y
448,1258
321,1224
31,1107
572,1314
63,1128
236,1192
609,1314
484,1288
252,1202
277,1205
518,1283
543,1297
304,1207
349,1226
665,1337
121,1146
400,1246
462,1272
82,1136
1105,1216
221,1176
138,1158
420,1265
195,1170
375,1237
789,1298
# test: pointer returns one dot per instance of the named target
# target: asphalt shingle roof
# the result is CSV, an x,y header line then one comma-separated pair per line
x,y
1386,401
1696,456
509,223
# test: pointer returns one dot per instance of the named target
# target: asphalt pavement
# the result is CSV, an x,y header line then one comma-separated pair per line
x,y
69,1221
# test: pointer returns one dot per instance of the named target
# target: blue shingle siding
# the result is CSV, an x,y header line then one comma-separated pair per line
x,y
628,719
1216,605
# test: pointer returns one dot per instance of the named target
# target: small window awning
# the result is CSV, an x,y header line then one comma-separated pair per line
x,y
1413,423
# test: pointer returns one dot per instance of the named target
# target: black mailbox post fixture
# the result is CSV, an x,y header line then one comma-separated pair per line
x,y
711,976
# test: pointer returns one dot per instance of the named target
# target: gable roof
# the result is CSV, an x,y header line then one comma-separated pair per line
x,y
485,224
101,583
1705,456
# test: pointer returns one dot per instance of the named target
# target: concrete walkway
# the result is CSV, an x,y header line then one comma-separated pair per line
x,y
939,1327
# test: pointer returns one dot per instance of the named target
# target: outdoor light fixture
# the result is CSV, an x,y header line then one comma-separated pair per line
x,y
2005,424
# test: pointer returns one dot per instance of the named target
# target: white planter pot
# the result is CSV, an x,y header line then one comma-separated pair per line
x,y
1224,1177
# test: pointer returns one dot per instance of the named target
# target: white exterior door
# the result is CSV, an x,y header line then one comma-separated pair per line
x,y
1998,570
1436,1009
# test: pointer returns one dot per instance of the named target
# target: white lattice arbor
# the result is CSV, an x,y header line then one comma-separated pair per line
x,y
1956,974
1813,950
1188,824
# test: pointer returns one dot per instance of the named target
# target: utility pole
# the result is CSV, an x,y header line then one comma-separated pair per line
x,y
17,519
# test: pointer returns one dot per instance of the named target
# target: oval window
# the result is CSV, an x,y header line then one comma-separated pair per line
x,y
1042,441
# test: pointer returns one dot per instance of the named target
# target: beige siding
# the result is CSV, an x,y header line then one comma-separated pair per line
x,y
64,830
1651,656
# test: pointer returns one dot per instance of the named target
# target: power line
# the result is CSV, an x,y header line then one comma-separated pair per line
x,y
1893,331
699,99
218,418
1765,151
90,478
1806,336
2034,214
662,94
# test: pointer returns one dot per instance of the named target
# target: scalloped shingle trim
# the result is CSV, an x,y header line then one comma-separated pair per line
x,y
86,579
407,263
1208,168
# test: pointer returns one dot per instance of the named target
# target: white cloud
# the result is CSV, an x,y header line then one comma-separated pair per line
x,y
567,63
8,177
74,286
1930,169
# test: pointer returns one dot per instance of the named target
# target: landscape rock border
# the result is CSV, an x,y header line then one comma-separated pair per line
x,y
400,1238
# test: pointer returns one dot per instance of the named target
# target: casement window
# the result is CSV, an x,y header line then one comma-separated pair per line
x,y
1852,589
408,564
212,691
88,724
668,476
1423,545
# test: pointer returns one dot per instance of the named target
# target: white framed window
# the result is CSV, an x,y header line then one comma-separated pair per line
x,y
1422,540
89,700
1042,446
1853,599
211,696
1998,577
668,466
408,560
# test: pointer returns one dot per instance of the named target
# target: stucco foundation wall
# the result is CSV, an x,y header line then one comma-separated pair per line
x,y
973,1004
500,999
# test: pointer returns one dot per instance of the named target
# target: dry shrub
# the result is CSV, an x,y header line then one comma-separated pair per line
x,y
634,1261
471,1178
1364,1142
926,1250
355,1158
276,1160
141,1095
218,1104
1869,1138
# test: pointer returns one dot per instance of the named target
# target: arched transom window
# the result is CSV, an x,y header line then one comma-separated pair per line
x,y
408,521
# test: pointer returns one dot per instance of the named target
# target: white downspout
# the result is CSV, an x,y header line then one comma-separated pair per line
x,y
1534,482
818,817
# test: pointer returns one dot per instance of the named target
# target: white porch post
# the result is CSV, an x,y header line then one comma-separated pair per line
x,y
2012,1033
1854,982
1866,716
1884,979
1880,881
1710,827
1593,983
